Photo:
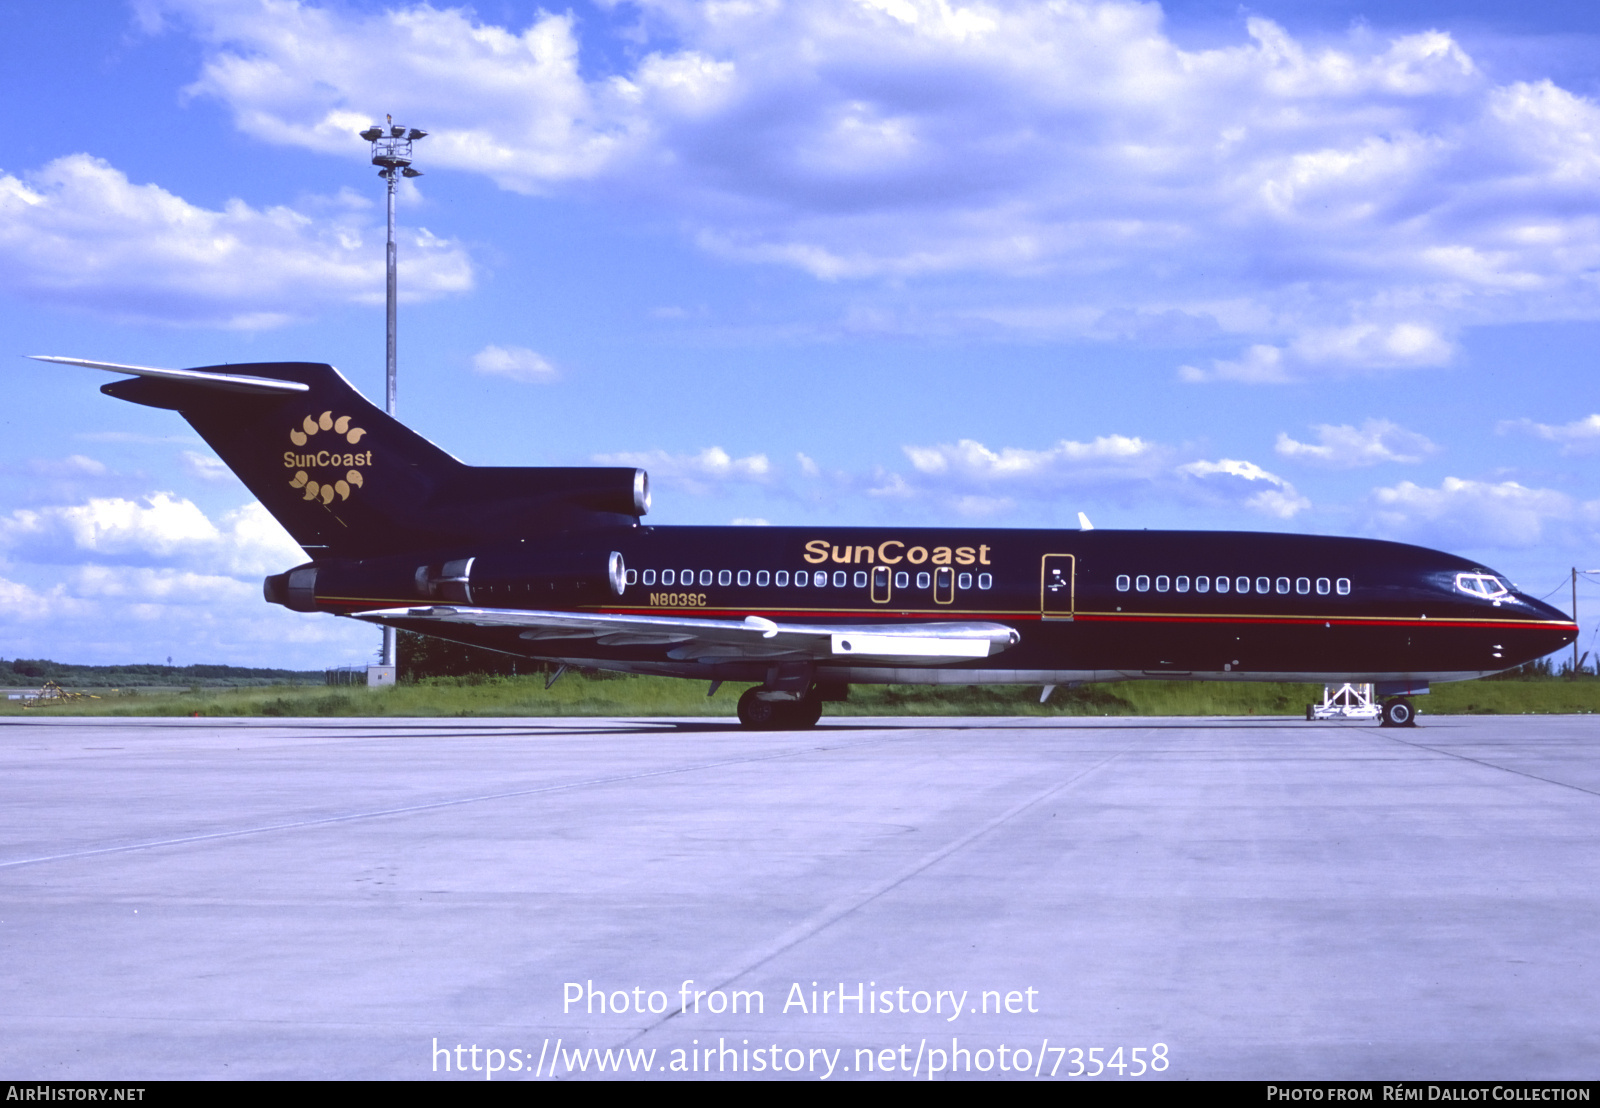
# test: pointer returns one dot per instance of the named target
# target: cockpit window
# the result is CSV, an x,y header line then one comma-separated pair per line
x,y
1486,585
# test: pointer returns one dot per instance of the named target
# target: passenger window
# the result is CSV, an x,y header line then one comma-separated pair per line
x,y
986,580
1283,585
839,578
1343,586
686,577
1162,584
1322,586
632,577
924,580
724,577
763,578
781,579
1124,582
744,577
1263,584
860,581
1142,583
820,579
1302,585
802,579
705,577
649,577
1241,584
902,580
668,577
964,581
1202,584
1182,584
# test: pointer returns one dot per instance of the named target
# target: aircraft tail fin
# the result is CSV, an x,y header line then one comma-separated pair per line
x,y
346,479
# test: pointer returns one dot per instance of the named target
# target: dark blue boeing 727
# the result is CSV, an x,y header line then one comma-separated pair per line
x,y
557,564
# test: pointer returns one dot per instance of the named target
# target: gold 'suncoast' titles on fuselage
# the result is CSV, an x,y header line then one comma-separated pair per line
x,y
892,552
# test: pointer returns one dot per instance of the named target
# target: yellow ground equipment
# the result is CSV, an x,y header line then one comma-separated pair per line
x,y
52,693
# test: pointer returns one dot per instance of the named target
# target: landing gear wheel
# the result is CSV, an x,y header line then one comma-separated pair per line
x,y
775,715
1398,713
758,714
804,713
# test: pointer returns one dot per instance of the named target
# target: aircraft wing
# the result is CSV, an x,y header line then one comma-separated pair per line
x,y
753,637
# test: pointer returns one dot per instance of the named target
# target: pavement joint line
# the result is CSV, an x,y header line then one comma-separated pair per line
x,y
433,805
831,914
1489,765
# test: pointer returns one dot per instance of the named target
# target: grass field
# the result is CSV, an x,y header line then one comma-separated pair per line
x,y
582,695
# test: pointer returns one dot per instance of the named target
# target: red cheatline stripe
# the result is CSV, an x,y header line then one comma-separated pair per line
x,y
921,615
1357,621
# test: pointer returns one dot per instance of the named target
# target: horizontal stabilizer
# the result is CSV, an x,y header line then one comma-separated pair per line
x,y
221,382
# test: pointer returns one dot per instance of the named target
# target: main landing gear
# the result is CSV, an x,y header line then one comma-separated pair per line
x,y
1398,712
765,710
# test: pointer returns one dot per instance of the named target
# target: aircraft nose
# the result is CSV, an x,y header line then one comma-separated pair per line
x,y
1542,610
1559,629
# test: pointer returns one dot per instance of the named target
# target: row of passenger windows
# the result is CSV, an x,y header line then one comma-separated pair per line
x,y
1282,585
684,578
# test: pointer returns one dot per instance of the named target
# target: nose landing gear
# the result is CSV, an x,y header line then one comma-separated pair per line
x,y
1398,712
1358,701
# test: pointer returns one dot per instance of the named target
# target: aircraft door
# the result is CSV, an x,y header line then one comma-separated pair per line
x,y
944,585
1057,586
880,584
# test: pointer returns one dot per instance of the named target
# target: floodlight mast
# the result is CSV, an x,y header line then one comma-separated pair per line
x,y
391,153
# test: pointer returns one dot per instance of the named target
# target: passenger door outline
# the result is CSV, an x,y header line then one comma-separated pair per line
x,y
1058,577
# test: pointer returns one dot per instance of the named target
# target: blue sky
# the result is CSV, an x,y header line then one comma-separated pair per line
x,y
1328,267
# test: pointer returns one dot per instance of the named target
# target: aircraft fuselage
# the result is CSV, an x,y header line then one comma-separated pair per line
x,y
1087,605
556,564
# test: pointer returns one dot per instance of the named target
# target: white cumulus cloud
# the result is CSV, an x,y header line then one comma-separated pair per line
x,y
1581,436
207,467
979,482
1109,457
1470,513
1233,479
141,614
136,579
1345,447
157,530
78,232
711,470
516,362
1339,207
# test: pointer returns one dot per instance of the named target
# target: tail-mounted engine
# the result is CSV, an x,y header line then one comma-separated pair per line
x,y
519,578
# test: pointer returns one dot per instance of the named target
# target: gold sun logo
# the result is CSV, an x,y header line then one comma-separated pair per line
x,y
350,462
